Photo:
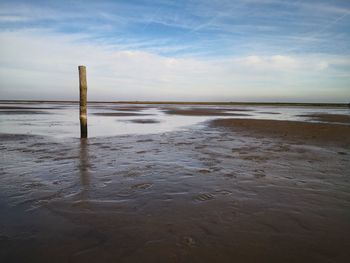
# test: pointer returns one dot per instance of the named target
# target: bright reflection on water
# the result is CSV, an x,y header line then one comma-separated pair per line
x,y
62,119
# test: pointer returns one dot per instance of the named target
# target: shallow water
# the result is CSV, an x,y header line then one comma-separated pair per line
x,y
62,119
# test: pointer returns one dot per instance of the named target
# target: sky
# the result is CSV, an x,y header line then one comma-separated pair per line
x,y
194,50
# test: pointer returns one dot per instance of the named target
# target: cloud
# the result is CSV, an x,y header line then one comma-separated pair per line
x,y
283,63
206,28
204,50
12,18
43,65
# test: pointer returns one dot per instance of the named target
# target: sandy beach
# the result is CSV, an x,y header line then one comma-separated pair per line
x,y
228,190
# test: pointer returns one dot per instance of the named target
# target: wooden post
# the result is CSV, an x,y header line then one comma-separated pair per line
x,y
83,93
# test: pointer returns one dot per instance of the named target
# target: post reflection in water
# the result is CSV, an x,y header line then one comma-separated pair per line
x,y
84,168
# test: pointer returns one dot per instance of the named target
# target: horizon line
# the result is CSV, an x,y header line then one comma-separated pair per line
x,y
193,102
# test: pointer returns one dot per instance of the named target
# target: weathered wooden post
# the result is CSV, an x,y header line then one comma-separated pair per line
x,y
83,93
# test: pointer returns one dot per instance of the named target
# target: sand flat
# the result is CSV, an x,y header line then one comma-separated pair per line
x,y
325,117
322,133
202,112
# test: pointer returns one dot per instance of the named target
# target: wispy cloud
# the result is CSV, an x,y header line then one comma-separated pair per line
x,y
50,67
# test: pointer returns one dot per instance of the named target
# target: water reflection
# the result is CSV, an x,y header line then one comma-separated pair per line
x,y
84,168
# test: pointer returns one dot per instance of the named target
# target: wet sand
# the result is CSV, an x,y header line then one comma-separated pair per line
x,y
22,112
299,132
119,108
143,121
133,108
269,112
339,118
203,112
231,191
26,108
118,114
201,109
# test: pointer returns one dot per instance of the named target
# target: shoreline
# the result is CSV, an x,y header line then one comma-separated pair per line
x,y
287,104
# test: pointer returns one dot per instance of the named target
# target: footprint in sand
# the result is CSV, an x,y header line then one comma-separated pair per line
x,y
342,153
204,171
259,173
204,197
230,175
188,241
141,186
146,140
132,189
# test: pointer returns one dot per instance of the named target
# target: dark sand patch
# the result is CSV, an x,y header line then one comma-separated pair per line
x,y
124,108
131,108
320,133
218,109
201,112
119,114
341,118
16,137
269,112
143,121
235,109
22,112
27,108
